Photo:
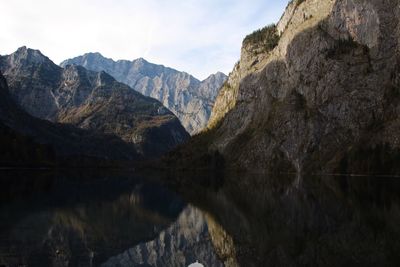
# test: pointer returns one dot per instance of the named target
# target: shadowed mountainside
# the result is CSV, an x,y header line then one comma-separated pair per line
x,y
27,140
90,100
318,92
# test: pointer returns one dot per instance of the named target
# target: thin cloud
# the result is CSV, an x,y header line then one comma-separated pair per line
x,y
199,37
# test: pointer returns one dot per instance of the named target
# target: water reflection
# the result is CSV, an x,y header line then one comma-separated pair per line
x,y
184,242
322,221
50,220
114,219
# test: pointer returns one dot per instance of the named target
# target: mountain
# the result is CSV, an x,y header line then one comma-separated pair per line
x,y
28,140
317,93
189,99
90,100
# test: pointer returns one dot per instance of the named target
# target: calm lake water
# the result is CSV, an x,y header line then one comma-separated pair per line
x,y
121,218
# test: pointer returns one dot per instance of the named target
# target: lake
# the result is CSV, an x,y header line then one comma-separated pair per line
x,y
125,218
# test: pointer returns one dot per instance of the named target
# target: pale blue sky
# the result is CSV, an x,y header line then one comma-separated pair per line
x,y
197,36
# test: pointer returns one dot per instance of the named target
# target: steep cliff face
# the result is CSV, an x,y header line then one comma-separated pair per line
x,y
324,99
256,49
189,99
90,100
28,140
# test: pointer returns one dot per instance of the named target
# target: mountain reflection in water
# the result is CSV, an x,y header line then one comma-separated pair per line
x,y
279,220
83,219
125,219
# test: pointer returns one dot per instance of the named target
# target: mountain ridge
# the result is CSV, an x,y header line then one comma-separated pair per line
x,y
322,98
90,100
27,140
190,99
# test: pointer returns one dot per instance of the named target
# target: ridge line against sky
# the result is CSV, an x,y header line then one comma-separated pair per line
x,y
200,37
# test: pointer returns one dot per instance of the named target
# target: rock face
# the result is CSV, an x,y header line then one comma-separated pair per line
x,y
324,99
90,100
28,140
189,99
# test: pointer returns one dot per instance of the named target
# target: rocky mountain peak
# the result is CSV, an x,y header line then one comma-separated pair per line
x,y
91,100
218,76
316,92
210,86
35,140
22,49
140,65
188,98
28,62
28,55
140,60
74,76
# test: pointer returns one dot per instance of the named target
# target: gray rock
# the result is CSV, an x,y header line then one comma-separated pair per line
x,y
90,100
325,99
27,140
189,99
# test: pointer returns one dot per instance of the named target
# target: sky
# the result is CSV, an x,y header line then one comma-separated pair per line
x,y
200,37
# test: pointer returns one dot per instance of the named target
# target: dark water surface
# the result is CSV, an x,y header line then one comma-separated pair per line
x,y
122,218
